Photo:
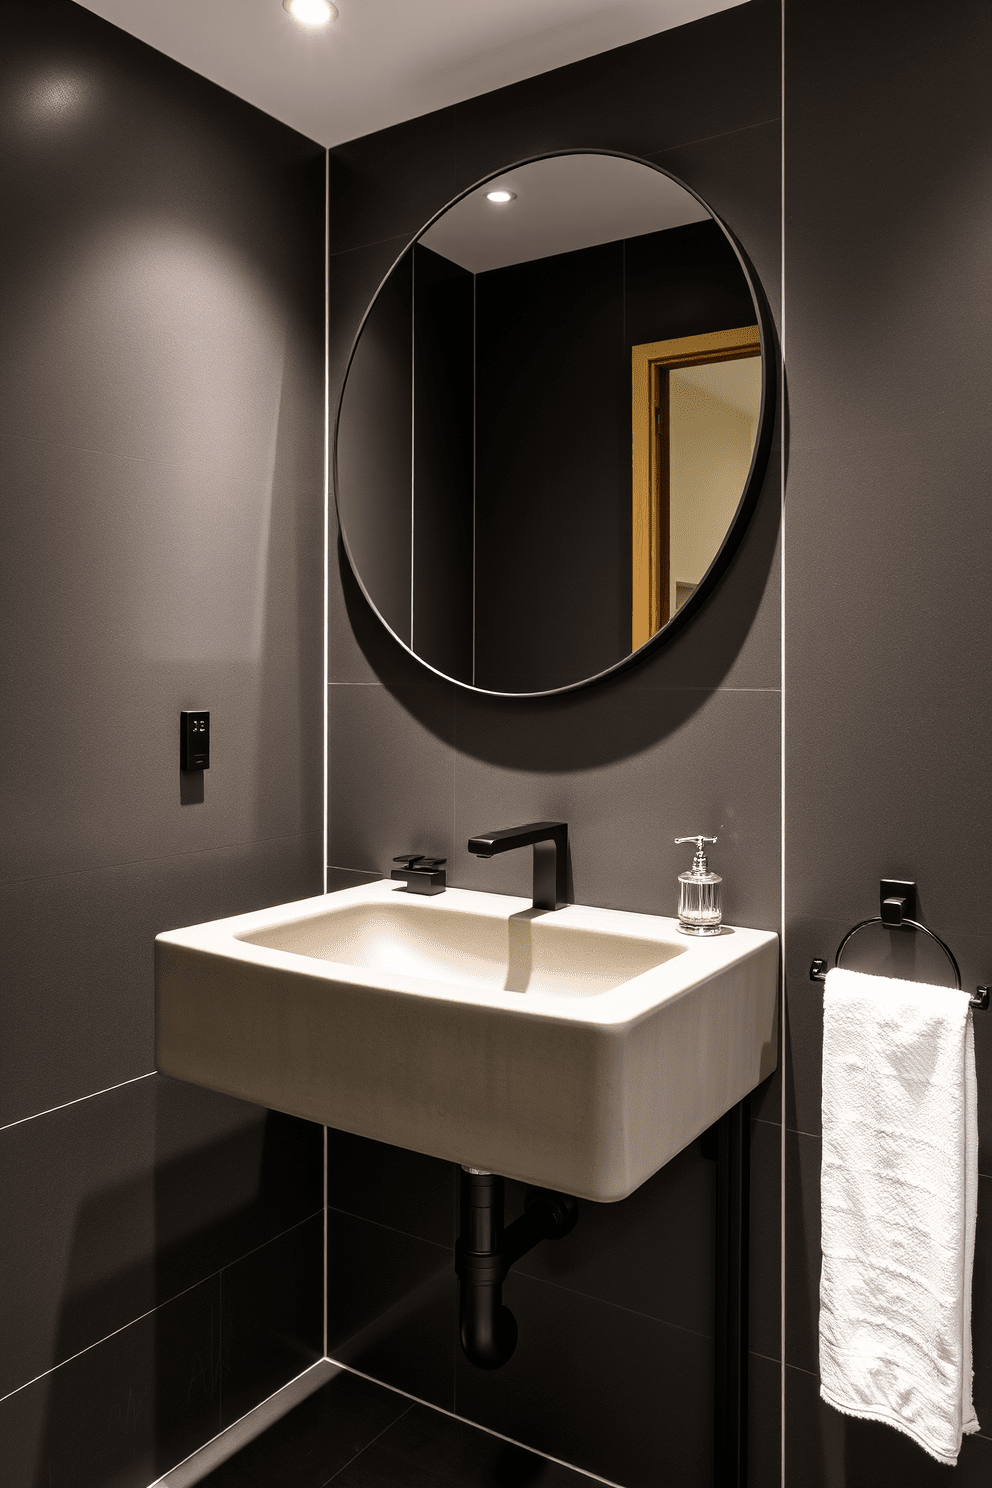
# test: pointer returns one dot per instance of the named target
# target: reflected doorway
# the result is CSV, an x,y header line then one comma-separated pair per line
x,y
695,402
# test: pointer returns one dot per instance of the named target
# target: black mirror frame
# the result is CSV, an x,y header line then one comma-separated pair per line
x,y
755,475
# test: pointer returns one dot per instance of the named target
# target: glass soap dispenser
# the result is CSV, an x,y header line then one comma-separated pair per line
x,y
700,911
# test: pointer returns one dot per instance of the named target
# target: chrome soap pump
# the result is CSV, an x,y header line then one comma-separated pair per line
x,y
700,911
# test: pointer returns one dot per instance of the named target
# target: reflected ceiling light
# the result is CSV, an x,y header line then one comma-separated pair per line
x,y
311,12
501,196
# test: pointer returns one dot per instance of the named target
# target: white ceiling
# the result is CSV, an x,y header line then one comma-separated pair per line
x,y
384,61
567,202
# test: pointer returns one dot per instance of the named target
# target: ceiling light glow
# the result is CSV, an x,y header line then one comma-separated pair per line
x,y
311,12
501,196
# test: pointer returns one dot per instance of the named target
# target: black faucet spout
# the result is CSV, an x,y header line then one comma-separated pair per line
x,y
549,840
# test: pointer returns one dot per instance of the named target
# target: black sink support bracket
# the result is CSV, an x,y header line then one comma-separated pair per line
x,y
728,1143
485,1252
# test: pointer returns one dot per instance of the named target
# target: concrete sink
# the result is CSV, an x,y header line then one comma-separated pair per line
x,y
578,1049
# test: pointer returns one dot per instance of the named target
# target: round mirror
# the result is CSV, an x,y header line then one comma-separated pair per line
x,y
554,424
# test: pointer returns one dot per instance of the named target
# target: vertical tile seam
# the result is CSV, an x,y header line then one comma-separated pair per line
x,y
327,512
327,645
782,746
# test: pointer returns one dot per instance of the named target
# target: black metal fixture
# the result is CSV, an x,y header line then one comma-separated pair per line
x,y
550,842
422,875
194,740
727,1144
897,910
485,1252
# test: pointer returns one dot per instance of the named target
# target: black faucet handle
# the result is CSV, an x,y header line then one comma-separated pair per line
x,y
421,874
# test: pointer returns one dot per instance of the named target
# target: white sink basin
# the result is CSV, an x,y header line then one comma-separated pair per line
x,y
578,1049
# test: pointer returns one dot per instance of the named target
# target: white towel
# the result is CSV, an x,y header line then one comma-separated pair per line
x,y
899,1196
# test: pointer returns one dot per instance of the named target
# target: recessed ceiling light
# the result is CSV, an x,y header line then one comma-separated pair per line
x,y
311,12
501,196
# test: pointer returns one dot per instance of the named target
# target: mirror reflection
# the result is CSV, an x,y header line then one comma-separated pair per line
x,y
549,422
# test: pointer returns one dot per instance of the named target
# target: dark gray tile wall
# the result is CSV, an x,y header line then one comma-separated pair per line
x,y
161,1248
613,1371
887,647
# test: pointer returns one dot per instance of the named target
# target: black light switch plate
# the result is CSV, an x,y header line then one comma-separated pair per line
x,y
194,741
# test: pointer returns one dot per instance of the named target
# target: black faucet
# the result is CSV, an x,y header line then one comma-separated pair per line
x,y
550,842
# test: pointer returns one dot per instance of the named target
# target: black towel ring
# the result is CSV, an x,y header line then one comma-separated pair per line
x,y
897,899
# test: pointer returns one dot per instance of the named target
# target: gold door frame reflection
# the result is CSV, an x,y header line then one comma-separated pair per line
x,y
651,475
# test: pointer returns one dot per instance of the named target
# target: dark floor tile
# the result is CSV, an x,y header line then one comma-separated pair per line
x,y
403,1190
764,1298
272,1317
316,1439
117,1203
604,1389
426,1447
825,1449
652,1253
764,1423
392,1307
124,1411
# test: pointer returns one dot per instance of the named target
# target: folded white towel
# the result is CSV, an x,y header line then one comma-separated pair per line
x,y
899,1196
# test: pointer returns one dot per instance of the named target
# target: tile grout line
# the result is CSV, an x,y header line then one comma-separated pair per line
x,y
196,852
50,1110
213,1276
326,791
475,1425
782,763
379,1434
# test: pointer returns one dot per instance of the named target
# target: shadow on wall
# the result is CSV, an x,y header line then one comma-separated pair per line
x,y
686,670
220,1305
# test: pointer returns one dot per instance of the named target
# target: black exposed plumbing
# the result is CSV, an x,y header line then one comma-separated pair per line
x,y
485,1252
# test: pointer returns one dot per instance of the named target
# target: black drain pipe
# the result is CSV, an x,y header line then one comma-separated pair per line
x,y
485,1252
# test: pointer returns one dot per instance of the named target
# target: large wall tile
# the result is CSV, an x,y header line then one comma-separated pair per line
x,y
77,991
113,1205
605,1389
629,769
125,1411
392,1307
906,161
390,772
681,85
391,1186
272,1317
425,1449
152,620
652,1253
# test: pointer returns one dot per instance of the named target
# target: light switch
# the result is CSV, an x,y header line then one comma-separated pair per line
x,y
194,740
